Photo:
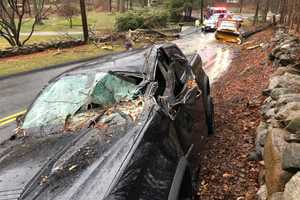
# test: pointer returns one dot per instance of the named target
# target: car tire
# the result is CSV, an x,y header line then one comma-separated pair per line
x,y
206,87
186,190
210,116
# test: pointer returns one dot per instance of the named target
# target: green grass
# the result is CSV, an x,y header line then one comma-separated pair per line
x,y
96,20
19,64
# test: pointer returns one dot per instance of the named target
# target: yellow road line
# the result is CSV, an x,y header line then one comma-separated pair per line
x,y
10,118
8,121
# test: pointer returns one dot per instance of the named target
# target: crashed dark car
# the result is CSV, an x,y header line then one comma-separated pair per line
x,y
127,126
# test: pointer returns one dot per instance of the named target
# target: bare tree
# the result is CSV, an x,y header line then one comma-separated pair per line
x,y
110,5
68,9
290,14
265,10
122,6
12,19
85,27
201,10
241,5
37,6
255,19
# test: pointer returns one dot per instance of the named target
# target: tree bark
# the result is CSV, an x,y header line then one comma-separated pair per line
x,y
122,6
109,5
202,7
298,24
255,20
37,11
85,28
241,5
11,21
118,5
266,10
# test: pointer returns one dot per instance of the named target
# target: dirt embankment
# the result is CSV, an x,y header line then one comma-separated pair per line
x,y
226,172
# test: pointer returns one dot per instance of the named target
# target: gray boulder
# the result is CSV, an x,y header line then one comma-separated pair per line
x,y
287,98
275,176
274,123
292,188
294,124
286,59
261,135
262,193
285,110
275,82
277,92
269,114
293,80
292,121
269,103
276,196
291,137
291,157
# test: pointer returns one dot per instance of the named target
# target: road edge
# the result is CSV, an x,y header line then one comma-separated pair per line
x,y
49,67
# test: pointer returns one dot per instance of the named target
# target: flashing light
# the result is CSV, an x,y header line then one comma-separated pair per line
x,y
218,8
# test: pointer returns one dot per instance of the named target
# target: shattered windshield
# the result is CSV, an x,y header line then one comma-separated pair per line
x,y
69,94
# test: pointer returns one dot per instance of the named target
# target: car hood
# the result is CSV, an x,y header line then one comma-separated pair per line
x,y
82,165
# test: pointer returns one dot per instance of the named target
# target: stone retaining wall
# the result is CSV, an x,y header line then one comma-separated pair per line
x,y
278,135
38,47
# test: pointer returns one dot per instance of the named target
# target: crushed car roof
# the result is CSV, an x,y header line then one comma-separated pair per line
x,y
132,61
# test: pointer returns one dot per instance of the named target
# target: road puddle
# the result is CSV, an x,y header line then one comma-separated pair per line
x,y
216,57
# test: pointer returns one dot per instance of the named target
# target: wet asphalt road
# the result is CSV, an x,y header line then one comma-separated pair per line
x,y
16,93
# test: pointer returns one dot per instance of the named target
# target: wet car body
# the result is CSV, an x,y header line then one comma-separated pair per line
x,y
143,148
210,25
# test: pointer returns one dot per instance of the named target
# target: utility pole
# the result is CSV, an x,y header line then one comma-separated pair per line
x,y
85,28
202,5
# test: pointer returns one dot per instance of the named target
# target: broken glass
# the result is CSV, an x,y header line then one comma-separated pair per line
x,y
57,101
65,97
110,89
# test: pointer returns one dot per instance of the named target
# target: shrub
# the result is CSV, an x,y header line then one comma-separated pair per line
x,y
129,20
180,9
141,19
156,19
175,8
68,9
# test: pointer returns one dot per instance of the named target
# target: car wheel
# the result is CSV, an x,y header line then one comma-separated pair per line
x,y
206,87
210,116
186,190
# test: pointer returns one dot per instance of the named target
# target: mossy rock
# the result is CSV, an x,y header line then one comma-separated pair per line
x,y
294,124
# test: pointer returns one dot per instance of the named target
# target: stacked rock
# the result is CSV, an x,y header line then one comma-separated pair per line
x,y
278,135
38,47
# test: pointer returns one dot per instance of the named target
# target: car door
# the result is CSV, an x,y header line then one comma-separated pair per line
x,y
186,107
